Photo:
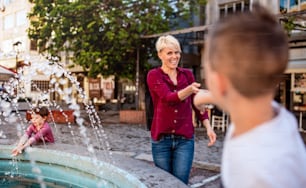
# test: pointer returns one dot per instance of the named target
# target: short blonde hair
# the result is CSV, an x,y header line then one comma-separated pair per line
x,y
167,41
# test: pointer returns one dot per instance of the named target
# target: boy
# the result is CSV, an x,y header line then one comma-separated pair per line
x,y
246,56
39,130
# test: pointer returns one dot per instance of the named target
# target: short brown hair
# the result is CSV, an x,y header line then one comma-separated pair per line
x,y
42,111
251,49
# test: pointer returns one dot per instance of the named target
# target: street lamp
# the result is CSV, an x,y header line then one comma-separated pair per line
x,y
17,49
137,81
2,7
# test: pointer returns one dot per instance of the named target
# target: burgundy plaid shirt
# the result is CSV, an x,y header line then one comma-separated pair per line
x,y
171,115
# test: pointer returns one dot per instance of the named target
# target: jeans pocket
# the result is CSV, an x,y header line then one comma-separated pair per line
x,y
157,141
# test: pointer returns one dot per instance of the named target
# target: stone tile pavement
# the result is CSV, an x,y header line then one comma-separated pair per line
x,y
133,141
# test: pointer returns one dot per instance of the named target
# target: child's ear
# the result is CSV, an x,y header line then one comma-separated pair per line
x,y
221,84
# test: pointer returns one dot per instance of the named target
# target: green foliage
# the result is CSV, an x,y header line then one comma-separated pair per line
x,y
103,34
291,23
288,25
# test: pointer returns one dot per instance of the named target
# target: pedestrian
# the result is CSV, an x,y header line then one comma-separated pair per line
x,y
246,56
38,131
172,90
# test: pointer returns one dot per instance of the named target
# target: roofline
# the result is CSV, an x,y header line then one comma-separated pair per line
x,y
295,13
179,31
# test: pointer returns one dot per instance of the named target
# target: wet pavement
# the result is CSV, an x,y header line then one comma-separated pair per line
x,y
133,140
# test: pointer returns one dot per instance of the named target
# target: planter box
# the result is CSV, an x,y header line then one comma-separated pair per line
x,y
132,116
65,116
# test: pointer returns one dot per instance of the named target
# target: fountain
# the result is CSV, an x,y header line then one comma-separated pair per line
x,y
63,169
62,165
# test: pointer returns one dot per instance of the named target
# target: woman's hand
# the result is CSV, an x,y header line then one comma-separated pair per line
x,y
189,90
210,133
212,136
194,87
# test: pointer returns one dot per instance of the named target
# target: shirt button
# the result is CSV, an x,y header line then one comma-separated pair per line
x,y
174,121
175,90
175,110
173,131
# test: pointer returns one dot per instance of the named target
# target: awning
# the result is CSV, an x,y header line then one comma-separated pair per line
x,y
4,70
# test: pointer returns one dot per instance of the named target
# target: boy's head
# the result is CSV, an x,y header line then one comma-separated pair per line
x,y
39,116
249,49
42,111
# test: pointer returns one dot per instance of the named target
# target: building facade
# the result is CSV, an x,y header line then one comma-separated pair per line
x,y
17,50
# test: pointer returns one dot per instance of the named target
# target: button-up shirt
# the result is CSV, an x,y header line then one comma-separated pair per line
x,y
171,115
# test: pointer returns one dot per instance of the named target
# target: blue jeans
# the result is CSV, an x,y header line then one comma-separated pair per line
x,y
174,154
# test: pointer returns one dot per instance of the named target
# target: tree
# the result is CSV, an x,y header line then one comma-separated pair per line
x,y
104,35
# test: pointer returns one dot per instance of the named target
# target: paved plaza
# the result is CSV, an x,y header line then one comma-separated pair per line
x,y
133,141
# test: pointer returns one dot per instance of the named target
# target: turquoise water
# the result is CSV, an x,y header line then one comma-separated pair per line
x,y
52,168
21,173
21,182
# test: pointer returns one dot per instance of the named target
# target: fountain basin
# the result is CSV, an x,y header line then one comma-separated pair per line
x,y
63,168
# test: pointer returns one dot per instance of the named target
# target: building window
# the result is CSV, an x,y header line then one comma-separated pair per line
x,y
33,45
40,85
80,79
303,5
8,21
7,2
7,46
283,6
21,18
292,5
229,8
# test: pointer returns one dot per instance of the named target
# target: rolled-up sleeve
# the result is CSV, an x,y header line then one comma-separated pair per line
x,y
200,115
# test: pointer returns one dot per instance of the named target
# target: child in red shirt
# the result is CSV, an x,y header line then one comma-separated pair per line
x,y
38,131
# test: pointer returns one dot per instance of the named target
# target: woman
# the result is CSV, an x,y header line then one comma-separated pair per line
x,y
172,90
